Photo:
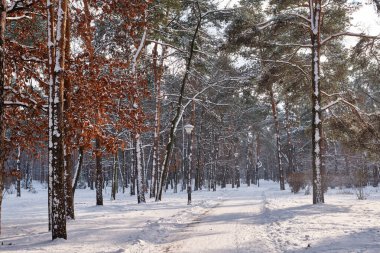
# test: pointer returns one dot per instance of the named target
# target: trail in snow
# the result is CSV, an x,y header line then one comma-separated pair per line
x,y
248,219
232,226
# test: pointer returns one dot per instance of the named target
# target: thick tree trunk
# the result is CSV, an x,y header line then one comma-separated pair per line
x,y
3,15
158,69
50,43
56,146
67,127
315,14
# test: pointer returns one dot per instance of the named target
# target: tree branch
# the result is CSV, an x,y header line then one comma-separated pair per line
x,y
359,35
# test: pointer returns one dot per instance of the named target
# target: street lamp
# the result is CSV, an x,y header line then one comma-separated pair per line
x,y
188,128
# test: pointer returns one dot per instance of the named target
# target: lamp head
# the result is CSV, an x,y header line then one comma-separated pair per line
x,y
189,128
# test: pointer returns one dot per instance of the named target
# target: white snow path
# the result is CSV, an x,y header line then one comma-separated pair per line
x,y
248,219
231,226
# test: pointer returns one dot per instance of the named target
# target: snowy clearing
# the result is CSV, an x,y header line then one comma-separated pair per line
x,y
248,219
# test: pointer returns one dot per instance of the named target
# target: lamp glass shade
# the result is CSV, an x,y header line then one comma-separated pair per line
x,y
189,128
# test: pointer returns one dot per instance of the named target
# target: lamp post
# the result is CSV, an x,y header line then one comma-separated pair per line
x,y
188,128
236,173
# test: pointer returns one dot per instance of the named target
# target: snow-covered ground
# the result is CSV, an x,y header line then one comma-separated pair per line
x,y
248,219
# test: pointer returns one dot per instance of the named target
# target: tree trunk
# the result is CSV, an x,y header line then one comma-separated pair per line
x,y
67,127
98,173
188,159
68,182
178,116
375,176
140,170
18,186
3,15
290,153
114,178
278,140
315,14
56,145
78,169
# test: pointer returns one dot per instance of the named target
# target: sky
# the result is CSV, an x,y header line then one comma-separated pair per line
x,y
365,19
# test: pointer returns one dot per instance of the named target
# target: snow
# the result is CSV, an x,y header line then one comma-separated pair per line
x,y
248,219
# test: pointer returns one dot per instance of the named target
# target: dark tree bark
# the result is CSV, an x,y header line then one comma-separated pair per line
x,y
3,16
78,169
278,140
67,128
114,178
376,176
56,145
98,173
18,184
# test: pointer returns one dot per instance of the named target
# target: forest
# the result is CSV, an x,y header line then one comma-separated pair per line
x,y
152,100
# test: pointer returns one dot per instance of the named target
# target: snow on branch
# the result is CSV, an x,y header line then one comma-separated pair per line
x,y
339,99
19,17
356,110
18,103
289,63
18,5
282,18
167,45
359,35
289,44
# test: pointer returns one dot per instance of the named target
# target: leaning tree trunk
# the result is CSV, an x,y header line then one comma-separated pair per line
x,y
315,33
56,147
78,169
3,15
178,116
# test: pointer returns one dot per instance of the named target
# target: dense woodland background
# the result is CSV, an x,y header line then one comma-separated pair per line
x,y
98,94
